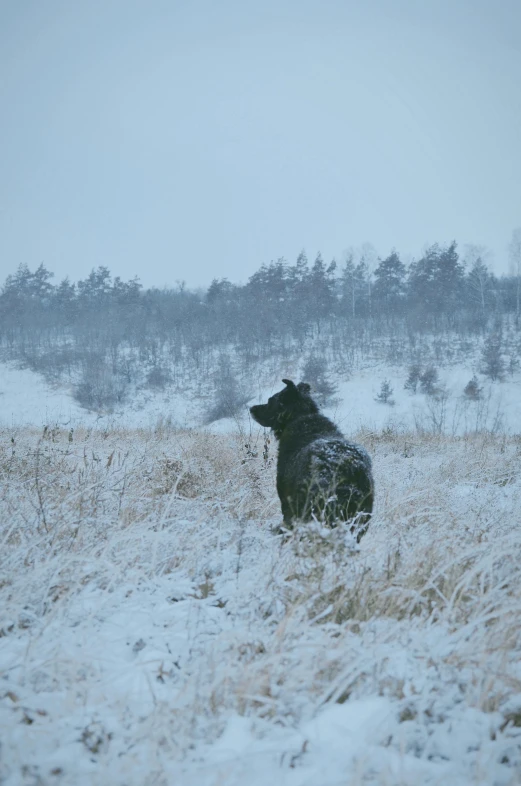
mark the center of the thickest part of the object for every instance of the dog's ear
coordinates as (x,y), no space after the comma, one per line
(304,388)
(290,384)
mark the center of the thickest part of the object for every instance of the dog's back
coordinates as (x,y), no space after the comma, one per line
(325,476)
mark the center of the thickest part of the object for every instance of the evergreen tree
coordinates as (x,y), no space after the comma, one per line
(271,283)
(389,286)
(450,274)
(40,283)
(436,281)
(301,267)
(413,378)
(65,301)
(320,289)
(493,365)
(95,289)
(472,389)
(429,381)
(385,394)
(220,291)
(299,277)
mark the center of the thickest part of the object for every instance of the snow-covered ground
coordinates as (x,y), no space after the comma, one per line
(154,632)
(451,413)
(26,399)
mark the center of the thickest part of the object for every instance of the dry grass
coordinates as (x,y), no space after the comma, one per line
(426,612)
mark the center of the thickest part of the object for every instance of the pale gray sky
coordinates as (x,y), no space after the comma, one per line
(197,138)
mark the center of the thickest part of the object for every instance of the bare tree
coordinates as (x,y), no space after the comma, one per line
(479,281)
(514,252)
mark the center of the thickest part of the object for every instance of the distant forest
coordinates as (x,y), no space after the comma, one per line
(105,334)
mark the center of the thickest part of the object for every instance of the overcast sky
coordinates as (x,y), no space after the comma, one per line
(188,139)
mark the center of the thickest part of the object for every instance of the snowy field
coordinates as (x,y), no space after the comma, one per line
(154,632)
(27,399)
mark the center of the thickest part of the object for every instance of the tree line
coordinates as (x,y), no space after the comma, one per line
(104,328)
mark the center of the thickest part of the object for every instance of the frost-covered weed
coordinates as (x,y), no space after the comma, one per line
(153,629)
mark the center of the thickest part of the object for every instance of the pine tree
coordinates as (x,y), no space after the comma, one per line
(220,291)
(65,300)
(449,279)
(413,378)
(389,286)
(95,290)
(320,289)
(428,381)
(436,281)
(493,365)
(385,394)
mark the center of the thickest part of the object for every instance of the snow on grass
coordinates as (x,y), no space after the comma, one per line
(154,631)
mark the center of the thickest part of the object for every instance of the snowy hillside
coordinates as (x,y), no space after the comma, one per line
(153,631)
(27,399)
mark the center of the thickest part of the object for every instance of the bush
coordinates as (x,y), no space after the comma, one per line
(229,395)
(413,378)
(493,365)
(472,389)
(158,377)
(315,372)
(513,365)
(428,381)
(385,394)
(99,388)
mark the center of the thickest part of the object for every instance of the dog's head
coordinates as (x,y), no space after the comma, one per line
(284,406)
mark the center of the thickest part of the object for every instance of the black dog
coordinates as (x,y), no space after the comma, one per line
(319,473)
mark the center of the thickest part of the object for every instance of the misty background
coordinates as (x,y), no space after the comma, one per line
(188,141)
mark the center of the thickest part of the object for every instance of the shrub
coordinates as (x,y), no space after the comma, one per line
(229,395)
(99,388)
(472,389)
(493,365)
(413,378)
(315,372)
(158,377)
(428,381)
(385,394)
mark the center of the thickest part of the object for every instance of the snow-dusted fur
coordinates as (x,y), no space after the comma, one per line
(319,473)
